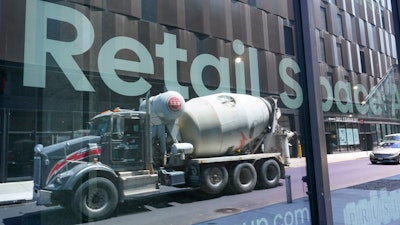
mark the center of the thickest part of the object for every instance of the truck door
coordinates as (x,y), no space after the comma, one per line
(127,152)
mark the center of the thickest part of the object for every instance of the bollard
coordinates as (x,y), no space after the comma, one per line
(288,189)
(299,150)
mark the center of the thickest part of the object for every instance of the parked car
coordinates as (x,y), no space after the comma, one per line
(388,150)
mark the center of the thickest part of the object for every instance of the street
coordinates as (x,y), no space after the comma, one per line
(188,206)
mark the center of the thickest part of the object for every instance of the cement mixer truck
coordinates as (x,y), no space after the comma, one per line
(217,143)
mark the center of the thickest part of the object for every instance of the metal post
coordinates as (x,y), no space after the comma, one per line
(149,149)
(396,23)
(4,143)
(288,189)
(314,140)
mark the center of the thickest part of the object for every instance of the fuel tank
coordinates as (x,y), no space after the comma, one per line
(220,124)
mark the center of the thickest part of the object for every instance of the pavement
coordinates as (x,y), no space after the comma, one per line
(16,192)
(19,192)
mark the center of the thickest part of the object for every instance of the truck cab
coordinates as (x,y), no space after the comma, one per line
(111,159)
(122,139)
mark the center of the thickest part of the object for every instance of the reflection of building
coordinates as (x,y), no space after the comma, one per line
(60,68)
(356,52)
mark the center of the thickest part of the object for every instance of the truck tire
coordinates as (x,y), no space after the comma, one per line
(95,199)
(243,178)
(214,179)
(268,174)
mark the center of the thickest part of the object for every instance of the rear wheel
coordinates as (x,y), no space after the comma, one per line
(214,179)
(95,199)
(243,178)
(268,174)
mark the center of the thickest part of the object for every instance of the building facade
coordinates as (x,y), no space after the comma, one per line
(357,56)
(62,62)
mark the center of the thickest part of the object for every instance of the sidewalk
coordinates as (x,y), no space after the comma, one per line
(15,192)
(18,192)
(336,157)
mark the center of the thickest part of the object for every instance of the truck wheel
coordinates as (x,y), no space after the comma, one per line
(95,199)
(214,179)
(268,174)
(243,178)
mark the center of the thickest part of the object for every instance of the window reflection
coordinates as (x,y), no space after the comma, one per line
(192,48)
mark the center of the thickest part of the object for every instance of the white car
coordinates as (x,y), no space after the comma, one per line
(388,150)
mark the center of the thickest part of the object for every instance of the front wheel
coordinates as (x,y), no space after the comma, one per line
(95,199)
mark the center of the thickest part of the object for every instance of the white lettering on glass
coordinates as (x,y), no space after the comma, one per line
(382,207)
(107,70)
(285,64)
(171,55)
(38,45)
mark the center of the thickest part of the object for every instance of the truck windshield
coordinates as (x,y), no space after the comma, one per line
(99,126)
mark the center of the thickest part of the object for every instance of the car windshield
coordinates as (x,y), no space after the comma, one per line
(391,144)
(392,138)
(99,126)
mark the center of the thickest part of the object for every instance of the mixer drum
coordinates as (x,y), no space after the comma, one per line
(220,124)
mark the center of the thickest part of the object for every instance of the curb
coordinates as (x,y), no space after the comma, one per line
(15,202)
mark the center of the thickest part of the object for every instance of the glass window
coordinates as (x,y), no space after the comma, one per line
(324,21)
(322,49)
(362,62)
(347,79)
(340,24)
(300,131)
(100,126)
(383,19)
(339,54)
(330,77)
(21,139)
(80,124)
(20,156)
(289,42)
(22,120)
